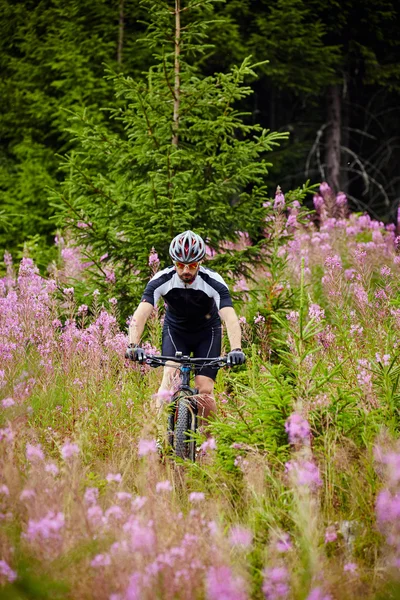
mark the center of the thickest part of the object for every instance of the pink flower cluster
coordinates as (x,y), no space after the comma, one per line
(297,428)
(388,499)
(305,473)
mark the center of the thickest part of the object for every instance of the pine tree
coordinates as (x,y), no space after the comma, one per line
(186,159)
(52,58)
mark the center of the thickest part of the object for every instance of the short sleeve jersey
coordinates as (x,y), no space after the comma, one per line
(189,305)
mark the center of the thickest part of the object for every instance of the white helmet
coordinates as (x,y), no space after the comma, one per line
(187,247)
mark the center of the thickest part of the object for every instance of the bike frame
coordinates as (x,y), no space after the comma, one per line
(175,431)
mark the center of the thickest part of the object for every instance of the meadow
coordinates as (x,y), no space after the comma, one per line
(296,493)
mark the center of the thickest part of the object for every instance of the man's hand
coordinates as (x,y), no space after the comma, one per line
(236,357)
(134,352)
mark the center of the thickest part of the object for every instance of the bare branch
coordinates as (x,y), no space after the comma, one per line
(315,148)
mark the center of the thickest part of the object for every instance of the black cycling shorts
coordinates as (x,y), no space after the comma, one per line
(203,344)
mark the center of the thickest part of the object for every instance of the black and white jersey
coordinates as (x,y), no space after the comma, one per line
(189,305)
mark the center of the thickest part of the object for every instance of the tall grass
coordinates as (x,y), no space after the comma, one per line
(297,495)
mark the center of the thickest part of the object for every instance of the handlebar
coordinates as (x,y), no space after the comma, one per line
(157,360)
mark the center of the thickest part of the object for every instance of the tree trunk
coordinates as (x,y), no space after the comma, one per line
(177,84)
(120,32)
(333,137)
(346,138)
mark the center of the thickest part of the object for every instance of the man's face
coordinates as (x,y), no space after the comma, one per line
(187,272)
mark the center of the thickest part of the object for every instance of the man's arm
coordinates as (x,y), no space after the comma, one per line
(231,321)
(138,321)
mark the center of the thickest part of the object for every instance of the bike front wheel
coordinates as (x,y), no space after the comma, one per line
(185,428)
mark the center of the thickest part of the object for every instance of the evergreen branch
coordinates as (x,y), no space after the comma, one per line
(95,189)
(149,126)
(204,2)
(79,216)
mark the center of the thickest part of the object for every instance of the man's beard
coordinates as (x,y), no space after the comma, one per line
(188,277)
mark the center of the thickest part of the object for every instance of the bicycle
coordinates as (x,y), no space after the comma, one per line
(183,410)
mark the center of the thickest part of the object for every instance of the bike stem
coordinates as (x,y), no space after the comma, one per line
(185,371)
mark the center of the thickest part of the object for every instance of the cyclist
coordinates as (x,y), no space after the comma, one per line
(196,298)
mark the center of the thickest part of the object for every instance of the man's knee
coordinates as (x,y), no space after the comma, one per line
(204,384)
(206,402)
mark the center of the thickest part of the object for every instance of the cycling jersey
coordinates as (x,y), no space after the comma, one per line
(189,305)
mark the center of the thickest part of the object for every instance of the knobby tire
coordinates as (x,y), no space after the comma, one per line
(185,427)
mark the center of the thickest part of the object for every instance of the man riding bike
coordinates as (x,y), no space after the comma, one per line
(197,299)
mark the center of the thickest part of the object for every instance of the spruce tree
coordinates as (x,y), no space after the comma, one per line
(187,159)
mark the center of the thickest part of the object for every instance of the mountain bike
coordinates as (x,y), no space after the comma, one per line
(182,408)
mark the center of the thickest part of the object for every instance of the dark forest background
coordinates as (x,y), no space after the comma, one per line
(332,81)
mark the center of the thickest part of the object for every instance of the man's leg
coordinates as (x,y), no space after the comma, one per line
(167,384)
(208,346)
(206,401)
(171,342)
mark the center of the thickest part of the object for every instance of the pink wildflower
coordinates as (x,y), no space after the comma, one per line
(240,536)
(7,402)
(318,594)
(6,433)
(163,396)
(7,572)
(242,320)
(284,544)
(209,444)
(291,221)
(27,495)
(318,202)
(91,495)
(142,536)
(134,590)
(46,528)
(350,567)
(110,275)
(333,262)
(34,452)
(114,512)
(259,318)
(293,316)
(69,450)
(123,496)
(316,312)
(51,468)
(275,584)
(101,560)
(153,258)
(297,428)
(95,515)
(196,497)
(241,285)
(324,188)
(4,490)
(146,447)
(117,477)
(164,486)
(221,584)
(279,201)
(330,534)
(341,199)
(306,473)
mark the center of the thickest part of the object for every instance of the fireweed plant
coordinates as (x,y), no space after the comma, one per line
(296,491)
